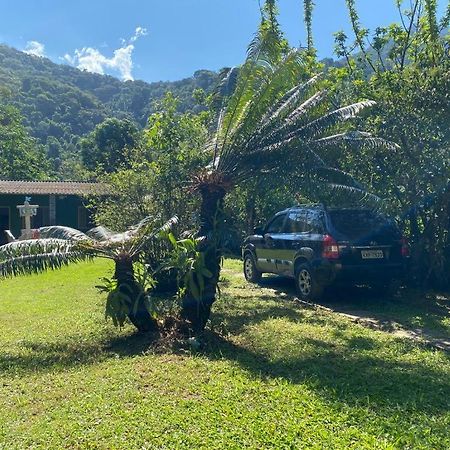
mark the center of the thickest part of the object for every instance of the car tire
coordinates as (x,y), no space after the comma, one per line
(251,273)
(308,288)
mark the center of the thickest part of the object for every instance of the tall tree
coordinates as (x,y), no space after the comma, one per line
(308,7)
(105,149)
(272,121)
(21,158)
(409,77)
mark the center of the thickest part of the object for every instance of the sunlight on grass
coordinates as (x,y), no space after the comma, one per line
(272,375)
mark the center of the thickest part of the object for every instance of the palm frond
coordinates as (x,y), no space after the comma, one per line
(61,232)
(361,138)
(286,100)
(251,75)
(168,226)
(100,233)
(331,119)
(337,176)
(144,224)
(224,89)
(293,120)
(299,154)
(355,194)
(143,239)
(251,124)
(263,56)
(38,255)
(268,93)
(274,120)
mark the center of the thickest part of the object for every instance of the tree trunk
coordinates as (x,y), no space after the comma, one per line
(127,284)
(198,311)
(250,214)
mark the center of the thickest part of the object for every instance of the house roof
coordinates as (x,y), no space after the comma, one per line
(52,187)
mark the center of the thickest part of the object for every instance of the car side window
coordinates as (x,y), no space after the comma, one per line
(315,221)
(297,222)
(276,226)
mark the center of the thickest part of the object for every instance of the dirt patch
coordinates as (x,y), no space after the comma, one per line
(382,324)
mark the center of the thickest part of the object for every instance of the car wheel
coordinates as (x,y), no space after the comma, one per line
(307,285)
(251,273)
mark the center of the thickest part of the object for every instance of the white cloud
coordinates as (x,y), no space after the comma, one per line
(92,60)
(35,48)
(140,31)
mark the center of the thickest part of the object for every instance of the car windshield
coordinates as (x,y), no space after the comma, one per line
(357,224)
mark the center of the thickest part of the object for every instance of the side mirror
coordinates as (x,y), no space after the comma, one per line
(259,231)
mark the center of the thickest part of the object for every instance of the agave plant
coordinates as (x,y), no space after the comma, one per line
(271,121)
(59,246)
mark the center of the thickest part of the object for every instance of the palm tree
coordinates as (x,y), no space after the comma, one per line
(59,246)
(271,122)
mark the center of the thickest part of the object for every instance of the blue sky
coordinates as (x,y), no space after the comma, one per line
(165,40)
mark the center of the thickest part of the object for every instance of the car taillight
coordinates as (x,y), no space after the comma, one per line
(330,248)
(405,247)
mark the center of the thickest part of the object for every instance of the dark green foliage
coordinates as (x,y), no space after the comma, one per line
(410,80)
(189,264)
(20,155)
(105,149)
(156,181)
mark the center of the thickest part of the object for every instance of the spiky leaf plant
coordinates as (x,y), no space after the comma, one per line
(59,246)
(274,120)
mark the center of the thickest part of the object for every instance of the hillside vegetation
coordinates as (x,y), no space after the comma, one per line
(60,103)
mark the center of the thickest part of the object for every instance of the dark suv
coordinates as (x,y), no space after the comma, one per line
(318,246)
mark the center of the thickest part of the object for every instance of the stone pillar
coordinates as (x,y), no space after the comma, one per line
(27,211)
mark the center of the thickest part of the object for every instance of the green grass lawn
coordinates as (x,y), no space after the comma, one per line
(272,375)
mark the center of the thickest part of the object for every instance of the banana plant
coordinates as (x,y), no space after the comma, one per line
(189,262)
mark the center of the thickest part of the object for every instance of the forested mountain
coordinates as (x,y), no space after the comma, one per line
(60,103)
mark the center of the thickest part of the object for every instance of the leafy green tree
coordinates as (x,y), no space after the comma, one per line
(106,148)
(410,81)
(157,178)
(21,158)
(174,146)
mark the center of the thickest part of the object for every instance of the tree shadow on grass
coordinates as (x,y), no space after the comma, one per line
(352,375)
(410,309)
(36,357)
(354,369)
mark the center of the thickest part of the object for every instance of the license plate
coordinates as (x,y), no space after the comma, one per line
(372,254)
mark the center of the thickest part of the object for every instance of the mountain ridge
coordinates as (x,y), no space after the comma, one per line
(61,103)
